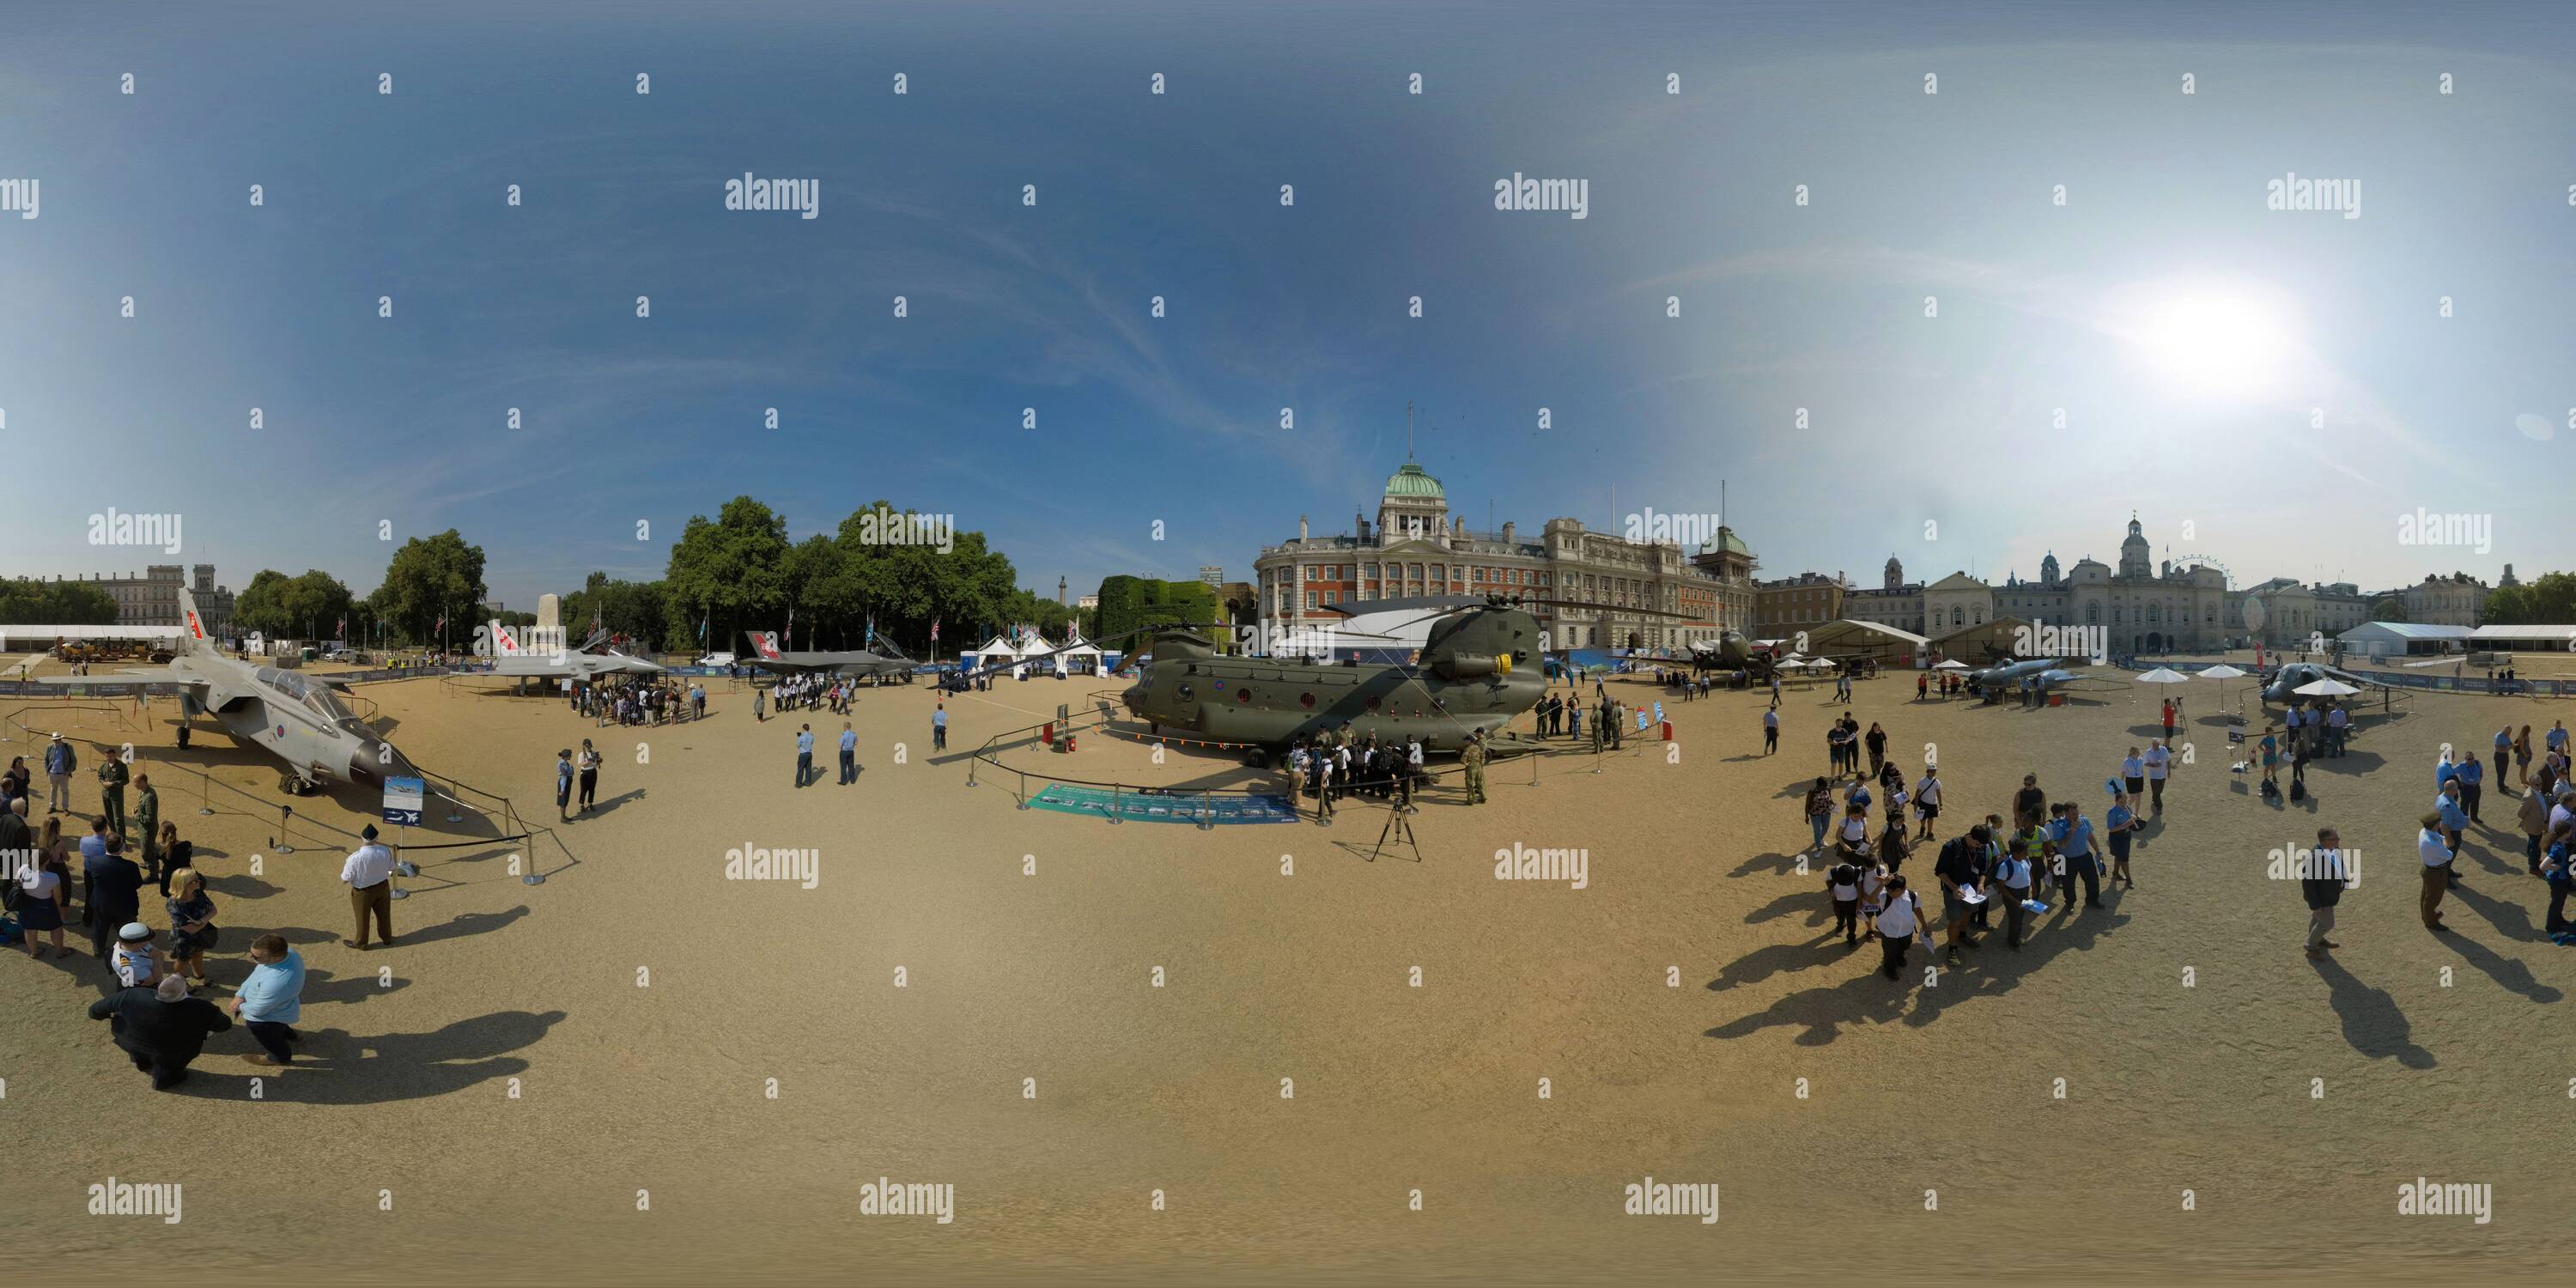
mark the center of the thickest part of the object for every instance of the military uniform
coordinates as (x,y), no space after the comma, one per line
(147,820)
(1473,756)
(112,778)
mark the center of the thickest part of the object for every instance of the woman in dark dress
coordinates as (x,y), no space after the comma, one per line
(192,923)
(43,894)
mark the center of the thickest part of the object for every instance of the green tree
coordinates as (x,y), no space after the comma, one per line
(26,601)
(729,571)
(2391,609)
(432,578)
(1132,604)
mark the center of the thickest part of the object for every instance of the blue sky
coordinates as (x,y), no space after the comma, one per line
(2123,306)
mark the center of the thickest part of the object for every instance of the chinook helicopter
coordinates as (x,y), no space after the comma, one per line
(1476,673)
(1478,669)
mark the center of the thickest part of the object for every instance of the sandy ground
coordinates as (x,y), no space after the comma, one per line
(574,1080)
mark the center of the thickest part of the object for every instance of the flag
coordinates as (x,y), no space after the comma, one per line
(934,630)
(343,632)
(441,628)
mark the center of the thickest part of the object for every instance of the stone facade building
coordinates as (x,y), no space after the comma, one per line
(1417,547)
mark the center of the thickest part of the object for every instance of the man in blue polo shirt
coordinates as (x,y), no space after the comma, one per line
(2073,834)
(804,754)
(2471,779)
(849,754)
(2454,819)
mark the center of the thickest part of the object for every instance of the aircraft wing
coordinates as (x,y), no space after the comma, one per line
(794,662)
(129,675)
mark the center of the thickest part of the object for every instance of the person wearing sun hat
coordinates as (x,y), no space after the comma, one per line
(59,764)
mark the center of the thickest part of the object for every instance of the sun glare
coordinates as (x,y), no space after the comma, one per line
(2207,342)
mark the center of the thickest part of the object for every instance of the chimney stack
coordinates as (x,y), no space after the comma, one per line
(1301,527)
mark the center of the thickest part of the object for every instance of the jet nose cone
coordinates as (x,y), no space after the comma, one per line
(391,763)
(1134,700)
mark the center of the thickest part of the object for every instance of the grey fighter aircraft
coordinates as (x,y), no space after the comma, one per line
(518,651)
(766,655)
(2046,672)
(295,717)
(2284,688)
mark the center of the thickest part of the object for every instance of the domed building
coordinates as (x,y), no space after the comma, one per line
(1417,548)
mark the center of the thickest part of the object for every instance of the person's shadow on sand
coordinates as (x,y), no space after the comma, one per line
(2372,1024)
(1823,1011)
(334,1067)
(1782,863)
(472,923)
(2513,975)
(1995,969)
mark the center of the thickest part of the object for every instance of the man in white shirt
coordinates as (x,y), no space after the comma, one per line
(369,874)
(2434,850)
(2158,760)
(1927,798)
(1898,923)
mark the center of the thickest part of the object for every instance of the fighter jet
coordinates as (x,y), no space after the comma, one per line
(2044,672)
(766,655)
(517,653)
(2284,686)
(295,717)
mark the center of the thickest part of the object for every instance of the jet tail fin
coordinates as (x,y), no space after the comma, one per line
(192,627)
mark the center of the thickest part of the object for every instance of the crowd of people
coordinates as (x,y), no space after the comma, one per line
(156,1016)
(2011,865)
(815,691)
(636,700)
(1331,765)
(1607,719)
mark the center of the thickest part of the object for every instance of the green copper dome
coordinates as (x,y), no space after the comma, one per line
(1411,481)
(1727,542)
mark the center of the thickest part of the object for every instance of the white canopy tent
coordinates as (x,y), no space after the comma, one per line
(1075,656)
(996,651)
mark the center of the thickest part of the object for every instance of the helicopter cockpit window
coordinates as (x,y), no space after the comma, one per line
(1185,693)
